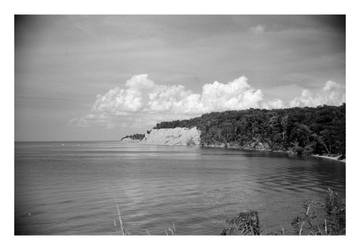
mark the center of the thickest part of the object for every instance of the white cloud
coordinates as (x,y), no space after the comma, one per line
(237,94)
(329,85)
(274,104)
(331,94)
(140,96)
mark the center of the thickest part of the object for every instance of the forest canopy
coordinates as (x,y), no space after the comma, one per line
(308,130)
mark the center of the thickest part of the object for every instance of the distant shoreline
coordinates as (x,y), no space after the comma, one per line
(326,157)
(237,148)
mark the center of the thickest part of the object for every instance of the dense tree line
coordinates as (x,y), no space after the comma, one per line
(319,130)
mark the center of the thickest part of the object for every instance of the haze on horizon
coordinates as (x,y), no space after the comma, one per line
(102,77)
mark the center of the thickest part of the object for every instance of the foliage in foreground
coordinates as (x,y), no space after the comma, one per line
(317,219)
(327,218)
(311,223)
(246,223)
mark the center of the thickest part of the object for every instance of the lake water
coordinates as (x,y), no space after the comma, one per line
(73,187)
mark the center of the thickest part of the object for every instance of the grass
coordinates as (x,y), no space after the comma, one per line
(317,218)
(246,223)
(118,218)
(322,218)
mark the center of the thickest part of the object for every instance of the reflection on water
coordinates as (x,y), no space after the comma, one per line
(73,188)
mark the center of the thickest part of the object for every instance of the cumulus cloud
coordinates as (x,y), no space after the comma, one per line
(273,104)
(140,95)
(331,94)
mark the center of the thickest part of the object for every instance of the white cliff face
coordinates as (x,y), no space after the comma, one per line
(173,136)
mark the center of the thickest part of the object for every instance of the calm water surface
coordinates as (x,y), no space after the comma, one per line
(73,187)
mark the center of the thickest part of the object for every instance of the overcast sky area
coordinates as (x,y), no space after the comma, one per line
(103,77)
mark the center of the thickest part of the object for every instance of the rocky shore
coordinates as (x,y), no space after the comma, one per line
(339,158)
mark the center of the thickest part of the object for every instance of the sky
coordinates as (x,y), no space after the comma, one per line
(103,77)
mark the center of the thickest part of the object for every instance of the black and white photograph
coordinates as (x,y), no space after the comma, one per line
(180,124)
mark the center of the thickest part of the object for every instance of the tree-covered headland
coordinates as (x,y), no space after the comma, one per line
(318,130)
